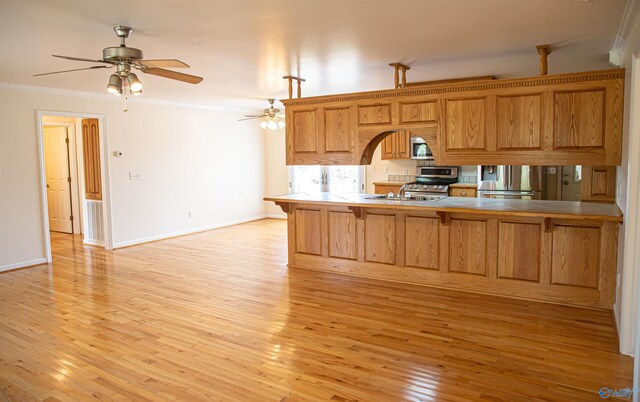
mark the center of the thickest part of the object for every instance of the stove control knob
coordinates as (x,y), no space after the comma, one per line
(415,186)
(439,187)
(425,187)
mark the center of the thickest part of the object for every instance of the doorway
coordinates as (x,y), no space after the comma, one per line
(73,168)
(58,172)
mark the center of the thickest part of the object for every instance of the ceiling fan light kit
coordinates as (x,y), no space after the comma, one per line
(272,118)
(127,58)
(115,85)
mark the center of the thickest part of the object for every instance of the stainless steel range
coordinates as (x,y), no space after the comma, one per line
(432,180)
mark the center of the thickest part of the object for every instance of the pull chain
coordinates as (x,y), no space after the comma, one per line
(125,104)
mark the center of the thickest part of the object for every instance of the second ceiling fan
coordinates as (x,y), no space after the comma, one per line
(125,60)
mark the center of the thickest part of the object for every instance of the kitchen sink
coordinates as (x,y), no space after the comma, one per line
(412,197)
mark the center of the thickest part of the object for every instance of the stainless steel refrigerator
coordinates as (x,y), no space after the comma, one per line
(510,182)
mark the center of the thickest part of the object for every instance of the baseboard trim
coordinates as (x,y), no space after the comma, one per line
(23,264)
(93,242)
(186,232)
(277,216)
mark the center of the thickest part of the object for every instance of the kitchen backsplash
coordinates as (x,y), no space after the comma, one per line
(467,174)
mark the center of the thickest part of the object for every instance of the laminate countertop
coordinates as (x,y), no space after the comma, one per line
(389,183)
(463,185)
(530,208)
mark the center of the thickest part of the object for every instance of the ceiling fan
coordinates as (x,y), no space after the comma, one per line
(271,118)
(125,59)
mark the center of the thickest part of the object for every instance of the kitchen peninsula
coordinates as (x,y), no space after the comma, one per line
(556,251)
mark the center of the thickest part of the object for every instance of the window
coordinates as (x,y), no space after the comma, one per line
(330,179)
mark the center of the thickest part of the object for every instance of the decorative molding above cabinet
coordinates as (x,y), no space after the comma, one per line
(546,120)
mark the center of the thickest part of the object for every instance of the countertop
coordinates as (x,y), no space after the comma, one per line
(535,208)
(389,183)
(463,185)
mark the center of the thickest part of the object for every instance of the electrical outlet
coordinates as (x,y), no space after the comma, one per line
(406,172)
(386,169)
(189,214)
(135,176)
(551,170)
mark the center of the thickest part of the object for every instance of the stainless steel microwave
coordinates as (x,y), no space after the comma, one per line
(420,149)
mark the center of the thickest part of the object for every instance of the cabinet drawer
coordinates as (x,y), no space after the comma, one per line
(384,189)
(463,192)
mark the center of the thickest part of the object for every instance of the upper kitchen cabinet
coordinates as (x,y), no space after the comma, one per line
(321,136)
(568,119)
(397,146)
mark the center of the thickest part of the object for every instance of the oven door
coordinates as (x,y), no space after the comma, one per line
(420,149)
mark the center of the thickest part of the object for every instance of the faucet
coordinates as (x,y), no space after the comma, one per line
(402,190)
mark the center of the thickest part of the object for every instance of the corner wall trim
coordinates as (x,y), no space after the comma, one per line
(186,232)
(628,18)
(23,264)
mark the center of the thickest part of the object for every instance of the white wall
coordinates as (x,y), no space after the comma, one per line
(277,176)
(191,159)
(379,170)
(625,310)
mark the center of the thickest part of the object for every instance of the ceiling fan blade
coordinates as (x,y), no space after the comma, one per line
(251,118)
(174,75)
(80,59)
(163,63)
(68,71)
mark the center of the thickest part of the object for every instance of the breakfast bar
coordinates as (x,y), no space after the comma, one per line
(554,251)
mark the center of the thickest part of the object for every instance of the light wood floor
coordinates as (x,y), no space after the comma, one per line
(218,316)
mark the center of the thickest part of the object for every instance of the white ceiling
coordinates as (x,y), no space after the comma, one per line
(243,48)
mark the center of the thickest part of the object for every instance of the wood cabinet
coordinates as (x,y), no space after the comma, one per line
(91,159)
(463,192)
(598,184)
(384,188)
(397,146)
(567,261)
(567,119)
(321,135)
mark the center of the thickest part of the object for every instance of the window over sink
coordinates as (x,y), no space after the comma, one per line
(330,179)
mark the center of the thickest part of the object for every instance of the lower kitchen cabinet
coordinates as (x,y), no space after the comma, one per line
(566,261)
(463,192)
(386,188)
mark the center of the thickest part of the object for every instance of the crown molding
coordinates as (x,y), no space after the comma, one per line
(628,18)
(109,97)
(617,73)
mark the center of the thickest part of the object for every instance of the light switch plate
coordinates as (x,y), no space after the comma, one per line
(135,176)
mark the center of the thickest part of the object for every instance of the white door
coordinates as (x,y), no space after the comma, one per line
(571,183)
(56,159)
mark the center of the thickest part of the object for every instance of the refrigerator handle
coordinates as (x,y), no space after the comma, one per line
(509,173)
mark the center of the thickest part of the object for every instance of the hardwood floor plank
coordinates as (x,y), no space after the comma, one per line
(218,316)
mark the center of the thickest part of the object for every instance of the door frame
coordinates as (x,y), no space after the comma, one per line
(104,167)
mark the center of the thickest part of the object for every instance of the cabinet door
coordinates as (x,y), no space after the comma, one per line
(465,124)
(305,131)
(397,146)
(91,159)
(337,130)
(519,122)
(598,183)
(403,144)
(388,150)
(579,119)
